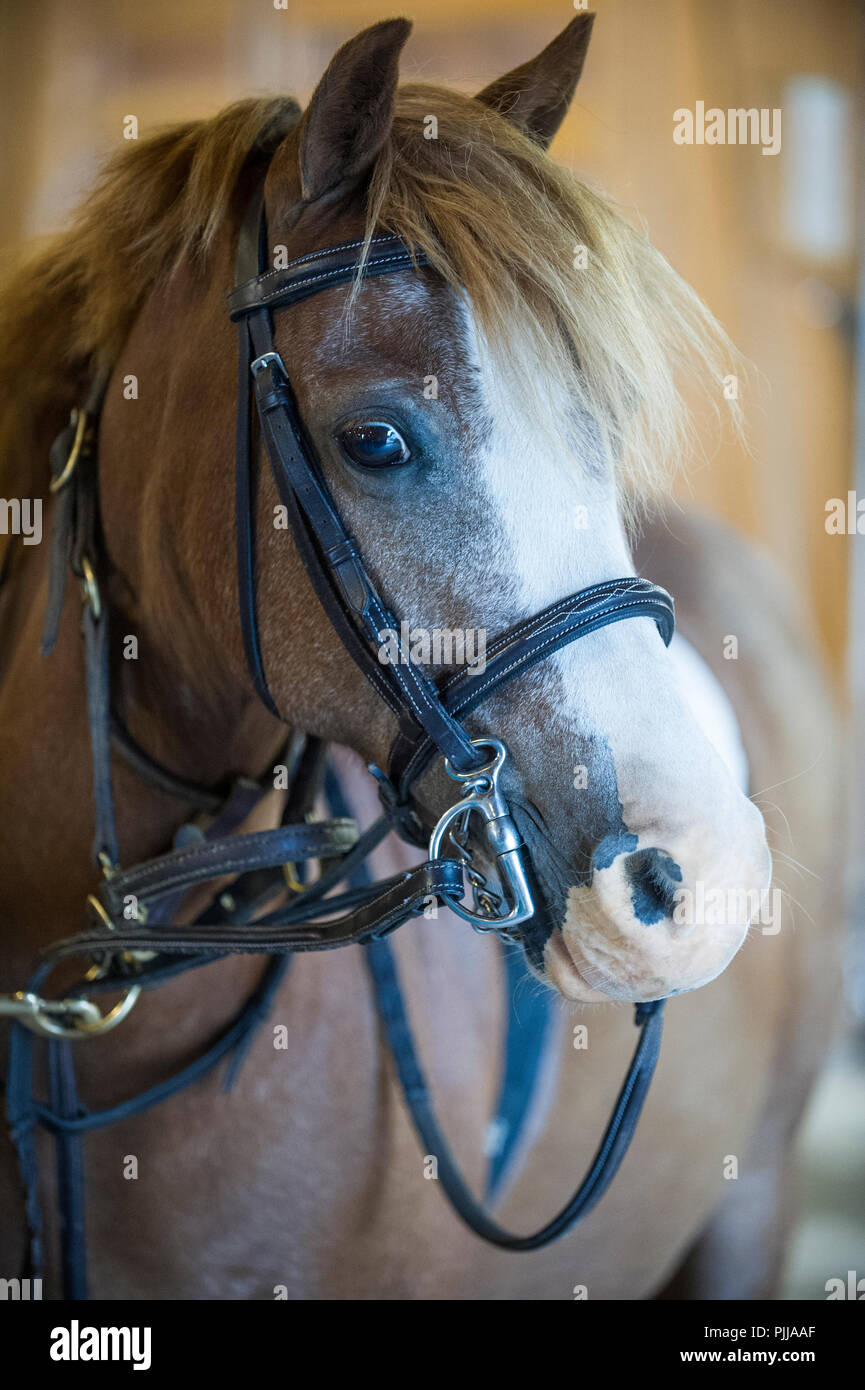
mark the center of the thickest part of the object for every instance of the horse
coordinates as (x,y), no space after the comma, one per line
(490,422)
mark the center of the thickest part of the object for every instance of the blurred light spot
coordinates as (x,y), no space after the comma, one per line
(817,155)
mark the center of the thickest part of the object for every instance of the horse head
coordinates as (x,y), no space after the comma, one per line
(482,422)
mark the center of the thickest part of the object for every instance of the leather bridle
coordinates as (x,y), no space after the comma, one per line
(141,948)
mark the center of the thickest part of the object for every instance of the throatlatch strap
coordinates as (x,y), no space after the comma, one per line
(99,713)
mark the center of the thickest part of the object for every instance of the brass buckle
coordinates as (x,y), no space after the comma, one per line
(91,588)
(105,1022)
(79,419)
(75,1017)
(292,882)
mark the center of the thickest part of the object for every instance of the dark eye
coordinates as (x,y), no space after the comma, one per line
(374,444)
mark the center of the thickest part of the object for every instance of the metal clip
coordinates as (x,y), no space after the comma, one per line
(50,1017)
(490,911)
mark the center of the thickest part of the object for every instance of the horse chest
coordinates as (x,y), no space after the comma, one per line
(306,1180)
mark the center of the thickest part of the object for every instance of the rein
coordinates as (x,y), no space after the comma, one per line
(131,942)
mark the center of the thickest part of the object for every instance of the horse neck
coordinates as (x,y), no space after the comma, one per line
(166,484)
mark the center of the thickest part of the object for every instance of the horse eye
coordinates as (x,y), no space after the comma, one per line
(374,444)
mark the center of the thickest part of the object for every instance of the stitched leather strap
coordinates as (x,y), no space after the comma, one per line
(98,713)
(320,270)
(180,869)
(517,650)
(408,684)
(381,910)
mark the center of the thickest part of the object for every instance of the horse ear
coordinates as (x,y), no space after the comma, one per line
(351,111)
(535,97)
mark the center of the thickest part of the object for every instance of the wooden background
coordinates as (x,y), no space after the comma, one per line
(71,72)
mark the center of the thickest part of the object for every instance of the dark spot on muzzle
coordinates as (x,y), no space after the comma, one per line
(653,877)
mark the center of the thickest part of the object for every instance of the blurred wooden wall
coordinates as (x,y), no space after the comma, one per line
(70,73)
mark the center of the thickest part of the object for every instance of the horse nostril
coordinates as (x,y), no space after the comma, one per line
(653,877)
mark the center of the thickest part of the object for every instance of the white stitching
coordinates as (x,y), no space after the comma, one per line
(314,255)
(336,273)
(305,836)
(498,676)
(433,703)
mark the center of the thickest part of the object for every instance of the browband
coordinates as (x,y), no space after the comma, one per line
(320,270)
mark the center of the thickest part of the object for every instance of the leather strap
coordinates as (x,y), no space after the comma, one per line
(149,769)
(245,511)
(521,647)
(75,508)
(105,846)
(384,908)
(319,270)
(70,1168)
(407,681)
(180,869)
(604,1165)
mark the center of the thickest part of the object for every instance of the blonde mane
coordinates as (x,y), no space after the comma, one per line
(500,220)
(509,227)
